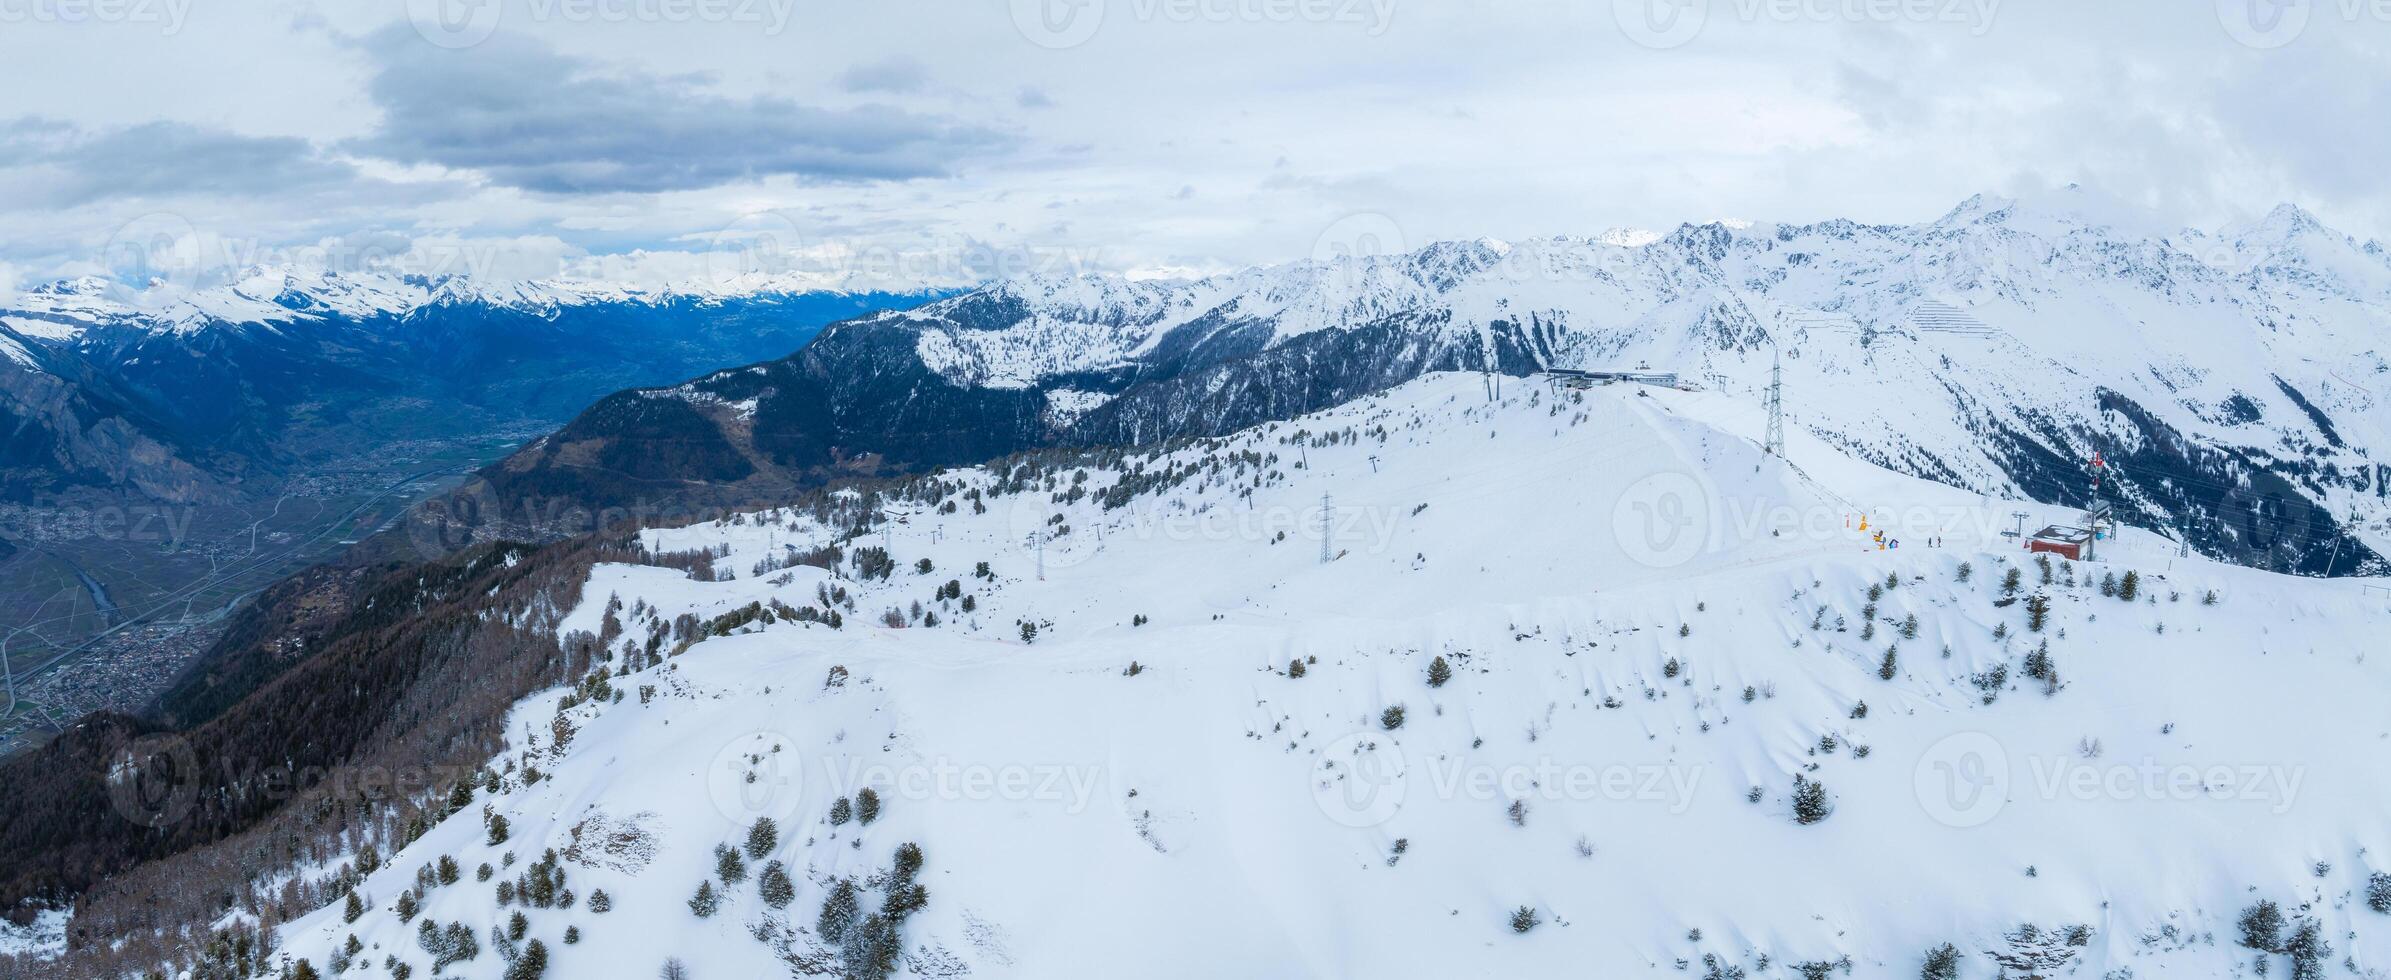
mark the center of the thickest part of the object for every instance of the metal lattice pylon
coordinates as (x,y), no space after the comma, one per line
(1775,443)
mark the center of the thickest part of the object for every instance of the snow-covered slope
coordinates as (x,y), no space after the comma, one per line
(2231,383)
(1140,719)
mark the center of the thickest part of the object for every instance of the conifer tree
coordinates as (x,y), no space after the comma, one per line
(1810,804)
(839,910)
(2262,927)
(728,865)
(867,805)
(705,902)
(1942,963)
(774,886)
(762,837)
(2308,950)
(1439,672)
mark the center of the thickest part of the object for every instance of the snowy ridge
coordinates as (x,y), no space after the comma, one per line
(273,297)
(2047,320)
(1650,636)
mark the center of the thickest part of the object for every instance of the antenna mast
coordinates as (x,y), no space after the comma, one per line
(1775,444)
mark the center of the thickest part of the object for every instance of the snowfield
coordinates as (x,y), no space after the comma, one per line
(1541,711)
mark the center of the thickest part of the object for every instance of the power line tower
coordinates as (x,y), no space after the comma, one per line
(1327,524)
(1775,445)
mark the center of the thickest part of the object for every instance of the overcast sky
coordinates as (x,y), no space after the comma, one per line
(951,140)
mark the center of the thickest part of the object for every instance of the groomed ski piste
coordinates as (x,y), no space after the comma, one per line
(1221,755)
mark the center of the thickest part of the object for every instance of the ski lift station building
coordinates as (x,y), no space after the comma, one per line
(2072,543)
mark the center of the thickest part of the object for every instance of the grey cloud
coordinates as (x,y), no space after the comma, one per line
(899,74)
(71,166)
(529,117)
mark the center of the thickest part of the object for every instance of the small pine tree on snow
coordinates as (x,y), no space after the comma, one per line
(2378,892)
(2262,927)
(2038,612)
(532,964)
(2108,584)
(839,911)
(497,829)
(484,872)
(462,945)
(1295,667)
(448,872)
(600,902)
(903,901)
(353,908)
(2308,950)
(1810,804)
(1966,571)
(774,886)
(728,865)
(1888,668)
(572,935)
(841,811)
(1029,632)
(2208,598)
(406,906)
(867,805)
(1909,627)
(2011,582)
(304,971)
(1391,718)
(705,902)
(2130,587)
(1524,918)
(1942,963)
(762,837)
(2000,631)
(1439,672)
(673,969)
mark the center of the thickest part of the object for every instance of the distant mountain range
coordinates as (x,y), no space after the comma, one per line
(221,394)
(2233,383)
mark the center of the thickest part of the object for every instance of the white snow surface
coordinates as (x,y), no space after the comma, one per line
(1606,577)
